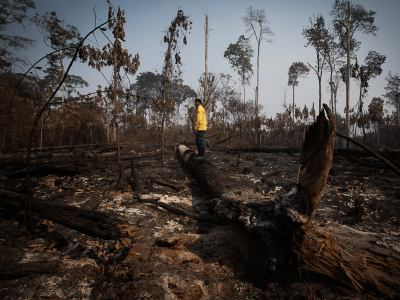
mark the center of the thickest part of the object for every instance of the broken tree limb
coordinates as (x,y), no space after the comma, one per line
(163,183)
(204,217)
(385,161)
(361,162)
(221,141)
(95,224)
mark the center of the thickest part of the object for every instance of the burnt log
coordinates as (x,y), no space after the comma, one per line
(92,223)
(264,150)
(372,152)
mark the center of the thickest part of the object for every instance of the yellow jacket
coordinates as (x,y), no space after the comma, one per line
(200,122)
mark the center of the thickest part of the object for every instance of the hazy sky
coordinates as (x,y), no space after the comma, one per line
(148,18)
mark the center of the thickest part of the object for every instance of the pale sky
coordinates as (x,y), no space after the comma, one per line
(147,19)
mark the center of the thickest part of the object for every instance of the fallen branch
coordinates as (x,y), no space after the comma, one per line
(199,217)
(222,141)
(386,162)
(362,162)
(163,183)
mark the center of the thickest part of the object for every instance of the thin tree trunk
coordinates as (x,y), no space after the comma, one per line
(165,97)
(258,85)
(398,115)
(115,103)
(205,61)
(293,103)
(244,98)
(62,86)
(348,77)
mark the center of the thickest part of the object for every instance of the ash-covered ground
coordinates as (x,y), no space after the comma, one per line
(170,256)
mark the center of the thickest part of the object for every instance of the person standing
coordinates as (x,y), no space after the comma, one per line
(200,127)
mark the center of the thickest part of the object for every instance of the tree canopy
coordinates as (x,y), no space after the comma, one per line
(239,55)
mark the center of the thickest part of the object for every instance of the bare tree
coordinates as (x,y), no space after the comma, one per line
(255,20)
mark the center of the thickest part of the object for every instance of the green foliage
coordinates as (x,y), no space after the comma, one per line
(361,20)
(371,69)
(392,88)
(393,92)
(297,70)
(317,35)
(148,85)
(239,55)
(375,110)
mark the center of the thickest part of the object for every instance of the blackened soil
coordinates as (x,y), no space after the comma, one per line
(170,256)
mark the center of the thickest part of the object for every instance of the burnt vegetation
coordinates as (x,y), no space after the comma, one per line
(101,196)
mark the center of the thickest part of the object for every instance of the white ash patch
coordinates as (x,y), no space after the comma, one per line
(175,199)
(127,211)
(170,227)
(33,256)
(74,263)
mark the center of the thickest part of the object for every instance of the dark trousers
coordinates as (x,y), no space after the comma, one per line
(201,141)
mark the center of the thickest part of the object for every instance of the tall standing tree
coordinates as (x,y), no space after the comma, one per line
(206,30)
(113,55)
(11,13)
(296,70)
(318,37)
(255,20)
(57,36)
(172,63)
(393,92)
(332,59)
(239,55)
(349,18)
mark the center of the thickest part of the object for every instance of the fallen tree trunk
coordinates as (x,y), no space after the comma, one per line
(282,228)
(68,160)
(362,162)
(363,153)
(264,150)
(95,224)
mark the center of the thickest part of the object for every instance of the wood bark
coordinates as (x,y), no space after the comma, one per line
(316,157)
